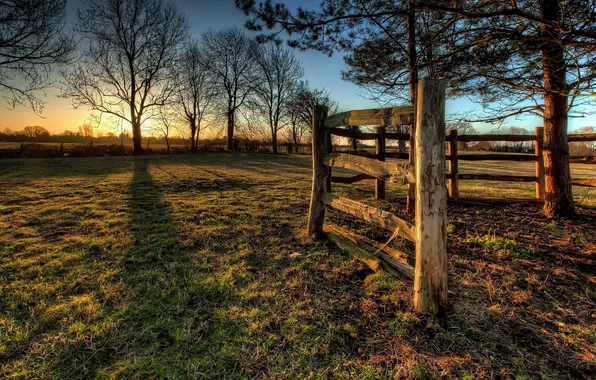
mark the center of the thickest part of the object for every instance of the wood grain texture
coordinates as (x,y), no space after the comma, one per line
(497,177)
(430,283)
(388,171)
(453,165)
(539,167)
(581,137)
(376,259)
(585,182)
(378,116)
(371,214)
(320,173)
(380,152)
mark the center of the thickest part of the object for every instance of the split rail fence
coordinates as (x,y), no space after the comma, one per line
(454,156)
(428,175)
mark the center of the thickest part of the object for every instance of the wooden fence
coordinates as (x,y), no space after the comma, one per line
(454,156)
(428,175)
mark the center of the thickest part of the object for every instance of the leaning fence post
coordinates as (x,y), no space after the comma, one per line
(430,282)
(320,172)
(453,165)
(539,162)
(380,150)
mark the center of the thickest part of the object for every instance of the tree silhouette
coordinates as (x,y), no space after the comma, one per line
(31,42)
(126,68)
(230,58)
(280,72)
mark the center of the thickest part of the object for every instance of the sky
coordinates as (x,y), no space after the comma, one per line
(322,72)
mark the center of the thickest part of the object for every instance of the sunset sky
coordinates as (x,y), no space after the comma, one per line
(321,71)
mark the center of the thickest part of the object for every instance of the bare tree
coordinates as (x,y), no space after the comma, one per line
(86,130)
(229,57)
(126,69)
(165,125)
(196,94)
(280,72)
(35,131)
(31,41)
(301,107)
(584,148)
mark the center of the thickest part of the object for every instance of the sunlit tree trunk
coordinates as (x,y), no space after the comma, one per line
(558,194)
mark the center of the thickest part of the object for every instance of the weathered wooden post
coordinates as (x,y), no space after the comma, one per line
(320,172)
(539,162)
(381,148)
(453,165)
(410,202)
(430,281)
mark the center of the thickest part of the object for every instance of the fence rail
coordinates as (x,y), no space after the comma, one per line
(427,175)
(453,157)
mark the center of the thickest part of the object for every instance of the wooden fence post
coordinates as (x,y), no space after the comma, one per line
(381,148)
(410,202)
(430,282)
(320,173)
(329,149)
(453,165)
(539,162)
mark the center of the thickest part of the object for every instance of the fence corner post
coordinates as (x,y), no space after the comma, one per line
(430,279)
(453,164)
(320,172)
(538,151)
(380,150)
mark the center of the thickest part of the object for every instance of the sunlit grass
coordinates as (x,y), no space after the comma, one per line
(197,266)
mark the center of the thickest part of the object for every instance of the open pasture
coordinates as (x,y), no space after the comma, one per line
(197,266)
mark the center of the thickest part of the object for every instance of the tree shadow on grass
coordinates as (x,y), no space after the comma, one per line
(168,315)
(170,306)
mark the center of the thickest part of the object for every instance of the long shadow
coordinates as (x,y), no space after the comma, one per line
(165,305)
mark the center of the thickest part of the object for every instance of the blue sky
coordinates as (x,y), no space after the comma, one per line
(322,72)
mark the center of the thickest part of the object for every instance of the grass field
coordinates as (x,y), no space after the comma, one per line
(197,266)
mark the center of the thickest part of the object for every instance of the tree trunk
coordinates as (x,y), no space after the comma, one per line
(274,140)
(193,131)
(230,130)
(136,138)
(559,196)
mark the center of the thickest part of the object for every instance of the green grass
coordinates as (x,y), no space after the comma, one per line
(197,266)
(498,245)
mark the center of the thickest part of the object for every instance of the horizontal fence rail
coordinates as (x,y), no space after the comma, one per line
(427,175)
(378,116)
(453,157)
(386,171)
(383,219)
